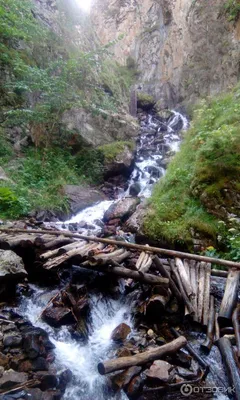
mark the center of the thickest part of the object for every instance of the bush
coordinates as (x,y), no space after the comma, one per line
(232,8)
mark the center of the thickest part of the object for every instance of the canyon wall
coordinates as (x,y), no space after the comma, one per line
(183,49)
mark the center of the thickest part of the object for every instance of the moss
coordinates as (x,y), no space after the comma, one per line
(202,182)
(145,101)
(112,150)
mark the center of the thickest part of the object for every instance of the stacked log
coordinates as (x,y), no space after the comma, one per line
(144,262)
(229,300)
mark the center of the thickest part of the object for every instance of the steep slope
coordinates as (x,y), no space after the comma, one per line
(184,49)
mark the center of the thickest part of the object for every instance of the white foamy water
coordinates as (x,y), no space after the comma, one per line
(82,359)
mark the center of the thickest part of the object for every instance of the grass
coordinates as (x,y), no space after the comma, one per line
(110,151)
(203,179)
(38,176)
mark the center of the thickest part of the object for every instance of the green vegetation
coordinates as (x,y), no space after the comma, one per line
(111,150)
(45,72)
(232,8)
(202,185)
(145,101)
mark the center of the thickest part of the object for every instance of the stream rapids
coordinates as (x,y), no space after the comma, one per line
(156,141)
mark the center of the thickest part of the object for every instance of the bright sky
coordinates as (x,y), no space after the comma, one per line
(85,4)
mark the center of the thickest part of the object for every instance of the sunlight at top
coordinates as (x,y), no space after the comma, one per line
(85,4)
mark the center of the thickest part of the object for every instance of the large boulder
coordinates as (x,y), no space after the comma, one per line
(96,130)
(58,316)
(134,224)
(80,197)
(11,266)
(118,158)
(122,209)
(11,378)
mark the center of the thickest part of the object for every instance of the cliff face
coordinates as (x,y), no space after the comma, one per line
(183,49)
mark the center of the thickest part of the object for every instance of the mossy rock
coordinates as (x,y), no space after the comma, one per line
(145,101)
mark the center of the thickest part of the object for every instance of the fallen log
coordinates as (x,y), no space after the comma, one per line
(173,253)
(184,276)
(226,351)
(207,344)
(193,270)
(62,250)
(117,364)
(206,296)
(167,275)
(235,321)
(128,273)
(185,298)
(217,329)
(219,273)
(201,282)
(229,300)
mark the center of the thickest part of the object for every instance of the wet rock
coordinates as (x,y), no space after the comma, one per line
(187,374)
(159,370)
(48,380)
(4,360)
(38,364)
(124,352)
(33,345)
(181,359)
(12,340)
(134,223)
(135,189)
(134,387)
(121,332)
(11,266)
(80,197)
(121,209)
(121,380)
(11,378)
(58,316)
(145,101)
(64,379)
(121,164)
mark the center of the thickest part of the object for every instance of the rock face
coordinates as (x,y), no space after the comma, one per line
(11,266)
(183,49)
(97,130)
(80,197)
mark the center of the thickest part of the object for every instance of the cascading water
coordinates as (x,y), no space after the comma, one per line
(157,139)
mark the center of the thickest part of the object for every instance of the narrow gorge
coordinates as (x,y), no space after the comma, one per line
(119,199)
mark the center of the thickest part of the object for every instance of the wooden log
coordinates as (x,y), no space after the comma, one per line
(60,241)
(128,273)
(140,259)
(206,295)
(194,279)
(231,367)
(201,283)
(229,300)
(167,275)
(117,364)
(185,298)
(184,276)
(62,250)
(217,329)
(235,320)
(219,273)
(147,265)
(207,344)
(173,253)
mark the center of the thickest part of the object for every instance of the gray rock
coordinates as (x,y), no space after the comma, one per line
(135,222)
(97,130)
(122,164)
(135,189)
(121,209)
(12,340)
(11,266)
(80,197)
(11,378)
(159,370)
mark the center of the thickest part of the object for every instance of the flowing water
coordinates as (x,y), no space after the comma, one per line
(156,140)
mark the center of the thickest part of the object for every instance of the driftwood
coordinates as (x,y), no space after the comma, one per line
(201,287)
(144,262)
(173,253)
(185,298)
(235,321)
(158,264)
(128,273)
(229,300)
(217,329)
(206,296)
(143,358)
(231,367)
(219,273)
(193,270)
(184,277)
(207,344)
(62,250)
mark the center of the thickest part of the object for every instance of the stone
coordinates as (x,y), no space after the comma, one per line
(134,387)
(64,379)
(145,101)
(135,189)
(4,360)
(81,197)
(122,209)
(97,130)
(11,267)
(151,334)
(121,380)
(48,380)
(159,370)
(11,378)
(58,316)
(121,332)
(12,340)
(135,221)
